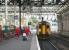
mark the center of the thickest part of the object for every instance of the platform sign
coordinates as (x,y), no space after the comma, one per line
(16,17)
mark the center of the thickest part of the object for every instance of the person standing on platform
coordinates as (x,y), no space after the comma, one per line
(1,34)
(17,32)
(27,31)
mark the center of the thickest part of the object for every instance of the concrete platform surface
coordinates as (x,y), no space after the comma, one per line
(35,43)
(14,44)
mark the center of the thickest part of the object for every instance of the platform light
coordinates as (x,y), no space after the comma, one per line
(49,1)
(62,1)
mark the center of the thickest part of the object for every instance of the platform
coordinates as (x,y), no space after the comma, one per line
(35,43)
(14,44)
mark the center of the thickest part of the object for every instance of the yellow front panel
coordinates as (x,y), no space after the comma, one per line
(43,29)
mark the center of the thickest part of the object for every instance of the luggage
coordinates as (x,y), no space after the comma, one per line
(24,36)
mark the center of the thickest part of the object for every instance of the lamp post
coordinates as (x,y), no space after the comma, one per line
(20,15)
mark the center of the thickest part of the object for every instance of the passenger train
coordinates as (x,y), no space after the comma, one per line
(43,29)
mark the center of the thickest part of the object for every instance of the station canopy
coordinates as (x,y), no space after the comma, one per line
(37,6)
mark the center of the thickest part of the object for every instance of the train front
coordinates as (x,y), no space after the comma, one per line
(43,30)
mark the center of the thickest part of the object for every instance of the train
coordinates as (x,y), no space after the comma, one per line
(43,29)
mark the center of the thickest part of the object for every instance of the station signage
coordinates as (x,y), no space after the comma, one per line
(16,17)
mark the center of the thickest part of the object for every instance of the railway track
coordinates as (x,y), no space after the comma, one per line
(59,43)
(54,43)
(47,45)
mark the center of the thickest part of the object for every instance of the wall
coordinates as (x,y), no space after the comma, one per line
(63,23)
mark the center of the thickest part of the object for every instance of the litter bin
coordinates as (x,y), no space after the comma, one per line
(6,32)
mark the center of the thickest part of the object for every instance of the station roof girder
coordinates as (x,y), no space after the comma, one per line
(56,4)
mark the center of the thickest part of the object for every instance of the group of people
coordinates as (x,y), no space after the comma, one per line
(25,33)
